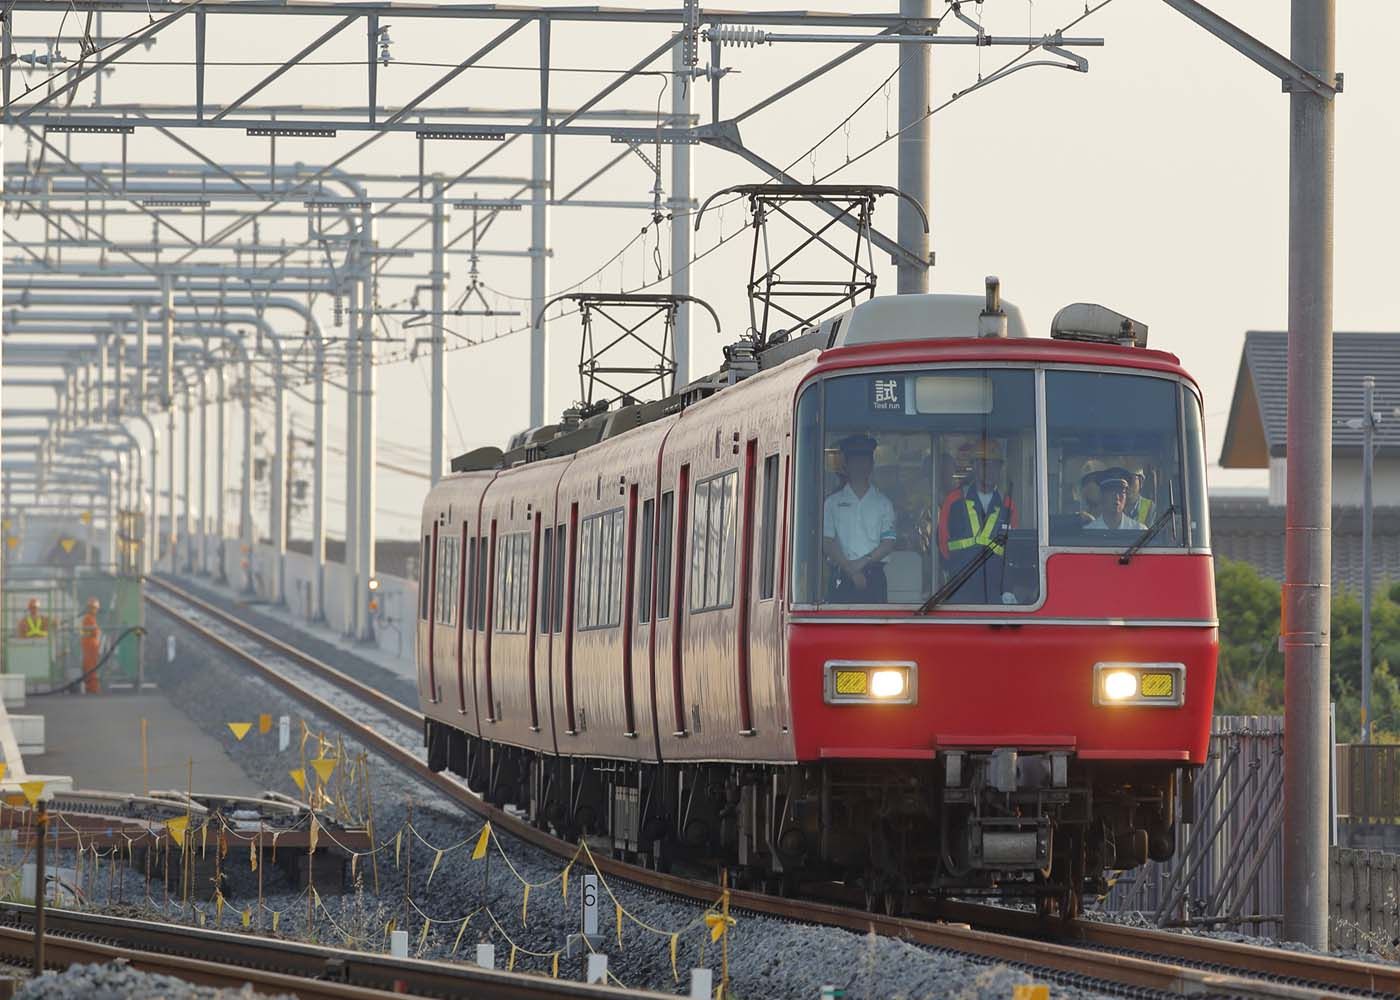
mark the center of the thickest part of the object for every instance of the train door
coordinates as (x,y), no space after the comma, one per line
(432,615)
(745,597)
(570,603)
(491,714)
(537,560)
(678,604)
(629,604)
(466,618)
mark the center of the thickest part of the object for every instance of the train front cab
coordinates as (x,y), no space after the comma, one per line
(1021,726)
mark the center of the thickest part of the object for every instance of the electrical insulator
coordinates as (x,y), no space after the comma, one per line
(740,36)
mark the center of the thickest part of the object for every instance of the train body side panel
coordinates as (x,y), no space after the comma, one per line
(450,511)
(595,682)
(512,663)
(711,442)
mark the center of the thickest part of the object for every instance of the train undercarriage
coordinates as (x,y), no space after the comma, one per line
(1003,823)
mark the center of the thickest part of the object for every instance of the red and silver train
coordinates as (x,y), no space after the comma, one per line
(632,625)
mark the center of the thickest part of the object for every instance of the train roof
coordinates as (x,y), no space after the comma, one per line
(892,329)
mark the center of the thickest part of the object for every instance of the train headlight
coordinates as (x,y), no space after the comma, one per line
(1162,685)
(1119,685)
(885,684)
(863,682)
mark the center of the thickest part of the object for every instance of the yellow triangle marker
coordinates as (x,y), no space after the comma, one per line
(68,543)
(240,729)
(264,723)
(85,517)
(299,776)
(324,766)
(176,828)
(12,541)
(482,842)
(32,790)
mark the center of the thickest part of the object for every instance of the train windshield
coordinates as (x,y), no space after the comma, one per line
(919,487)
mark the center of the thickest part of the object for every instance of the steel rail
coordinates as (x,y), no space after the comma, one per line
(272,965)
(1139,957)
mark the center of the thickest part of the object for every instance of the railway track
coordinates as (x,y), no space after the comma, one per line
(271,965)
(1085,951)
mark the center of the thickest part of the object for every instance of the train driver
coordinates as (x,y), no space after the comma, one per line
(975,516)
(1113,502)
(858,529)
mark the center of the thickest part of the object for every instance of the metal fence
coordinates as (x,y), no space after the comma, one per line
(1227,871)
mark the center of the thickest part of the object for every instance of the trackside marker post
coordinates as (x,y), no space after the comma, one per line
(589,939)
(701,984)
(486,956)
(597,968)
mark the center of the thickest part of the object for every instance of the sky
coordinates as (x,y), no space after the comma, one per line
(1156,183)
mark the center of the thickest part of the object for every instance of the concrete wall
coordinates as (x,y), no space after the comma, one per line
(1346,481)
(397,598)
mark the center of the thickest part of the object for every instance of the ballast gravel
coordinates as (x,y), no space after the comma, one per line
(115,981)
(767,957)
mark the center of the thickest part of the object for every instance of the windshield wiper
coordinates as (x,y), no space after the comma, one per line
(1148,534)
(954,583)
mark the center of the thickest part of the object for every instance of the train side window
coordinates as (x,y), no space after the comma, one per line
(546,574)
(445,612)
(557,618)
(712,543)
(424,576)
(769,551)
(647,540)
(469,611)
(663,559)
(601,551)
(583,578)
(512,581)
(483,562)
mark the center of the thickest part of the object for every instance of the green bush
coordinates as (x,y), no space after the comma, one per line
(1250,679)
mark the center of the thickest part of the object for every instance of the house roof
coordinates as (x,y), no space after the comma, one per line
(1257,428)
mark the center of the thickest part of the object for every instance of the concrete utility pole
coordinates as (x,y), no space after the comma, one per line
(221,572)
(682,85)
(539,272)
(1368,446)
(436,279)
(915,154)
(185,519)
(203,562)
(368,421)
(1307,596)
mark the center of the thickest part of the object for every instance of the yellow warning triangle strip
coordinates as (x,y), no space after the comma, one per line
(176,828)
(482,842)
(323,767)
(299,776)
(239,729)
(32,790)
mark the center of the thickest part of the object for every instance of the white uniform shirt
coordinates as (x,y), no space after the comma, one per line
(1127,524)
(859,524)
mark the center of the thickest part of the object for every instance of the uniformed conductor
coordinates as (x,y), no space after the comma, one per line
(858,528)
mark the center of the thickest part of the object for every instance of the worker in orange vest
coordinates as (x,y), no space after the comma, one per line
(90,638)
(34,625)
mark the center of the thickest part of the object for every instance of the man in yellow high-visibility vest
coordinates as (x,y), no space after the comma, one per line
(974,517)
(33,625)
